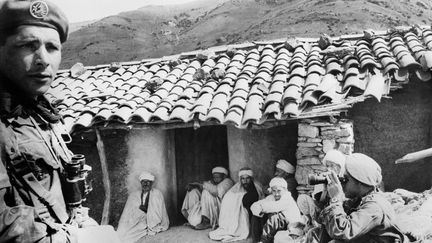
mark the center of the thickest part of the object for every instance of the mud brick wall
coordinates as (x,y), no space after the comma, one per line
(315,138)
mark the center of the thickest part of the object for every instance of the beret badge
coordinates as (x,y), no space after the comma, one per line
(39,9)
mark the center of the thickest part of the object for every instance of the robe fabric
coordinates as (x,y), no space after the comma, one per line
(135,224)
(234,217)
(286,205)
(207,203)
(288,220)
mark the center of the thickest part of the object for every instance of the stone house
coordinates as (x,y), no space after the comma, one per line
(249,105)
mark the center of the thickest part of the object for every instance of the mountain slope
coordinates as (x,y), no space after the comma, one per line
(155,31)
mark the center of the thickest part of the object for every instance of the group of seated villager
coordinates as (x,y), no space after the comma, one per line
(346,205)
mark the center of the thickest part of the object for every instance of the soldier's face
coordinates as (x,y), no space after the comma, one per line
(30,59)
(350,186)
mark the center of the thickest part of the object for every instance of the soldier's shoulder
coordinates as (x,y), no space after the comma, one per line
(375,197)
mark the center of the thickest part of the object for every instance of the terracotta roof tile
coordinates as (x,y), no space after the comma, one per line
(245,84)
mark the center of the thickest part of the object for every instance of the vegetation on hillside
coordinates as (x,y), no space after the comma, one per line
(156,31)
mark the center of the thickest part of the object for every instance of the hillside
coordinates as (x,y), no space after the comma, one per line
(156,31)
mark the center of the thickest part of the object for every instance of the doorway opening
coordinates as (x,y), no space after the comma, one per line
(197,152)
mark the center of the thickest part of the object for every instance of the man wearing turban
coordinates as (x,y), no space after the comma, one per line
(311,206)
(235,212)
(202,201)
(286,170)
(369,217)
(278,212)
(144,213)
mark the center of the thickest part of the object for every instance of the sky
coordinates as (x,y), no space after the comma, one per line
(83,10)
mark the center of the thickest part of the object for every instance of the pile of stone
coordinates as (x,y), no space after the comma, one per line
(414,213)
(315,138)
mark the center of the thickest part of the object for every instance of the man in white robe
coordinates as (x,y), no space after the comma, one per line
(235,214)
(144,213)
(277,212)
(202,201)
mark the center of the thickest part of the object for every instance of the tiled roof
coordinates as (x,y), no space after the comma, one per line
(245,84)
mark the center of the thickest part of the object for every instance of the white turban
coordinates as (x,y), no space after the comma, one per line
(220,169)
(146,176)
(335,156)
(285,166)
(279,182)
(364,169)
(247,172)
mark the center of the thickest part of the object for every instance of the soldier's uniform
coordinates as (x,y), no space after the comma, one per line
(371,220)
(365,218)
(29,144)
(32,150)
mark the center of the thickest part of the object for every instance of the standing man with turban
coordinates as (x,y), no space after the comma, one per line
(369,217)
(33,154)
(235,213)
(286,170)
(278,212)
(144,213)
(202,201)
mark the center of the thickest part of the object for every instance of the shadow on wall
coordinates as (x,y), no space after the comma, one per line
(388,130)
(116,151)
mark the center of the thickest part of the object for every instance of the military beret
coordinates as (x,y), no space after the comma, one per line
(364,169)
(14,13)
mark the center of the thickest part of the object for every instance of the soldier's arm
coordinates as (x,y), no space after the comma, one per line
(341,226)
(18,223)
(22,223)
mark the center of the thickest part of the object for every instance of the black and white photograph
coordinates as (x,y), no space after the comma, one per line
(206,121)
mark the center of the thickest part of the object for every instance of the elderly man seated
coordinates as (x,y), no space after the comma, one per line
(367,216)
(277,211)
(202,201)
(286,170)
(144,213)
(235,211)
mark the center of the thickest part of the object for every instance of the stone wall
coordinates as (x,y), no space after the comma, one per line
(315,138)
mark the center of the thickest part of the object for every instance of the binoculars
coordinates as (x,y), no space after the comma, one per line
(314,179)
(76,185)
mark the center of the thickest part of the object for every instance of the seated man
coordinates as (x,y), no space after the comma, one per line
(286,170)
(277,211)
(144,213)
(235,208)
(369,217)
(202,201)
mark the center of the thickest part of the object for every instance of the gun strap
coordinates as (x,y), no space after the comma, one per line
(20,171)
(47,143)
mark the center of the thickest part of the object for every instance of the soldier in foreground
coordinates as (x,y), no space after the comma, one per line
(40,179)
(367,216)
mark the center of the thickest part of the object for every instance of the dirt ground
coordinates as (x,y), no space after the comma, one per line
(184,234)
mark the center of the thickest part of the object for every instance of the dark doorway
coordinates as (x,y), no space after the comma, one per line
(196,153)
